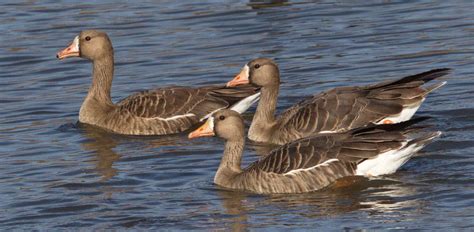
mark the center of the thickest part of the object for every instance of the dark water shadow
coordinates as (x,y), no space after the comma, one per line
(258,4)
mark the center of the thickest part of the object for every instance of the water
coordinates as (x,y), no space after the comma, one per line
(55,174)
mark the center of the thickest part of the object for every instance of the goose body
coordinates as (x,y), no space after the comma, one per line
(336,110)
(312,163)
(152,112)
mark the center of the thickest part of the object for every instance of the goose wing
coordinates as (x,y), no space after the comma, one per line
(337,153)
(176,102)
(345,108)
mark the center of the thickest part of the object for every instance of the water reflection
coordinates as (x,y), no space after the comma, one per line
(236,204)
(395,199)
(102,144)
(377,197)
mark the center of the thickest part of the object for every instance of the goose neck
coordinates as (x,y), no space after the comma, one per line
(231,160)
(102,75)
(264,119)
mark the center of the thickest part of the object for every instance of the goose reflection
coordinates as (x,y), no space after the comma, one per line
(236,205)
(396,198)
(103,144)
(377,197)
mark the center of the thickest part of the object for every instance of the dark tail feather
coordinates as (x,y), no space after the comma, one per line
(425,138)
(424,76)
(434,87)
(234,94)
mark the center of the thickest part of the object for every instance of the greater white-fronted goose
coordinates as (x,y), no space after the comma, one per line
(312,163)
(153,112)
(336,110)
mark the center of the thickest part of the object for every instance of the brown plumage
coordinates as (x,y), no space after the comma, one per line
(336,110)
(153,112)
(312,163)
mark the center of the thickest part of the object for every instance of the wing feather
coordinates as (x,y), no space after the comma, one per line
(348,149)
(345,108)
(175,101)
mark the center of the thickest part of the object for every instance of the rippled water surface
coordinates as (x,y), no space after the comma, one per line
(56,174)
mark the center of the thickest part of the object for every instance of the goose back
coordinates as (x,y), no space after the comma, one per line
(169,110)
(345,108)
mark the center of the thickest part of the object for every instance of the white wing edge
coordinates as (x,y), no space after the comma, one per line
(238,107)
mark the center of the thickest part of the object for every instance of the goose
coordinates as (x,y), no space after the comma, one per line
(152,112)
(312,163)
(336,110)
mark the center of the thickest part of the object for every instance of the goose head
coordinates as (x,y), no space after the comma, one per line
(89,44)
(226,124)
(261,72)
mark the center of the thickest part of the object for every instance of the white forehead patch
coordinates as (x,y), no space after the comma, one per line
(75,42)
(246,71)
(211,122)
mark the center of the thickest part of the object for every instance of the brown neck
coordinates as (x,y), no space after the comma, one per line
(264,118)
(103,73)
(230,162)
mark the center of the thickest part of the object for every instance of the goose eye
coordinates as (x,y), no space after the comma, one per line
(88,38)
(256,66)
(222,117)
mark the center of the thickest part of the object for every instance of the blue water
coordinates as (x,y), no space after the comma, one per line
(55,174)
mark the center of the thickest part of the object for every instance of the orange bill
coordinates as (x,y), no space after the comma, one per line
(241,79)
(71,51)
(206,130)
